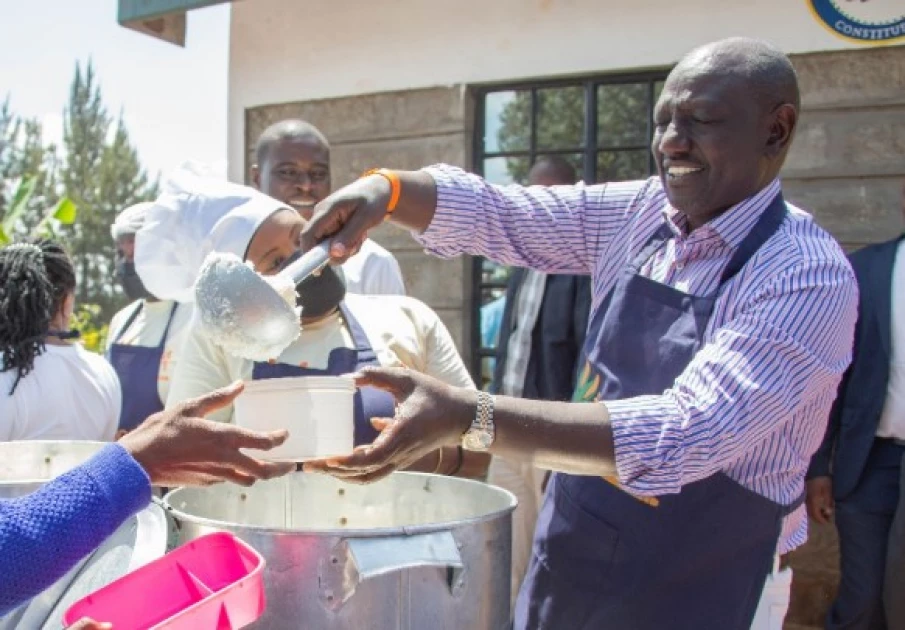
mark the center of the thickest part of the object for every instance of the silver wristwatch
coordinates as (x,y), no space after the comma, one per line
(481,433)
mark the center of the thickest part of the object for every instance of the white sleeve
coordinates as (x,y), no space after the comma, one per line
(389,277)
(381,274)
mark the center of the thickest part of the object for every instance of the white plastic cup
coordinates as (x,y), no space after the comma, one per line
(318,411)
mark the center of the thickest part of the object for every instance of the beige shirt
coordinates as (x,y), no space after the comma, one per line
(402,331)
(147,330)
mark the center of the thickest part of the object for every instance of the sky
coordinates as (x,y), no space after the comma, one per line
(173,98)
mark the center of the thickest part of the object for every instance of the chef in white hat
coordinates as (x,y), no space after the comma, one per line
(144,337)
(340,332)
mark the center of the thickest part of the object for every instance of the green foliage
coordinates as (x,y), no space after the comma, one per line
(13,215)
(94,336)
(63,213)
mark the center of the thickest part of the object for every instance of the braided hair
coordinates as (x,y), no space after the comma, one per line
(35,278)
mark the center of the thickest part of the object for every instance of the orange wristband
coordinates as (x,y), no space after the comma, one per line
(395,186)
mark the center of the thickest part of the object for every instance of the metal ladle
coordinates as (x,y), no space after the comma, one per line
(253,316)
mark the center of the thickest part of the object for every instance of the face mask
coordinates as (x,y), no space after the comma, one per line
(131,282)
(321,294)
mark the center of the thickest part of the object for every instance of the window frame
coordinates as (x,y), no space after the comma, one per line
(589,152)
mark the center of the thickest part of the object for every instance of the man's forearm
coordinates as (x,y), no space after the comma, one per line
(472,465)
(417,200)
(565,437)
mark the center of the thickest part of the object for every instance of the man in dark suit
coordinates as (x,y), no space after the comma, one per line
(541,334)
(856,471)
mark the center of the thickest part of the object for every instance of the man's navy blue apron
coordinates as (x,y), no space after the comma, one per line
(605,560)
(370,402)
(138,368)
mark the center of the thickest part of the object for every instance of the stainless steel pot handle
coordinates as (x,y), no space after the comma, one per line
(356,560)
(376,556)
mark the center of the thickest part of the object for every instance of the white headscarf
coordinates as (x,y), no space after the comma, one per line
(194,216)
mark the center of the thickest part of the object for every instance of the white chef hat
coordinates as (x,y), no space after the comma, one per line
(194,216)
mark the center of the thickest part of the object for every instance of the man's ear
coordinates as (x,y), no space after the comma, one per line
(255,175)
(782,129)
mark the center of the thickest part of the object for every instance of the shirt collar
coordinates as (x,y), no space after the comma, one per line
(733,225)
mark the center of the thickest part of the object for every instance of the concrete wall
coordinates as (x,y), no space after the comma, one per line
(847,163)
(284,51)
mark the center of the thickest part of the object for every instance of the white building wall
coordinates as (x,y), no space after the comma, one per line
(295,50)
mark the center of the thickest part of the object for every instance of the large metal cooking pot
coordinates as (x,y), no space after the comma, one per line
(27,465)
(411,552)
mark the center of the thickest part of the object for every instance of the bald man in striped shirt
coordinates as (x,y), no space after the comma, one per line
(722,320)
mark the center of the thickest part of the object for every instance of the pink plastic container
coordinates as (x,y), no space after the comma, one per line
(211,583)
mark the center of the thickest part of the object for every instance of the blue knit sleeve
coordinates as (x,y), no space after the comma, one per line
(46,533)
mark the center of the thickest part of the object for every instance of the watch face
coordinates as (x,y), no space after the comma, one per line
(477,440)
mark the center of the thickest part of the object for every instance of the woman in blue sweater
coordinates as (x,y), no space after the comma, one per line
(46,533)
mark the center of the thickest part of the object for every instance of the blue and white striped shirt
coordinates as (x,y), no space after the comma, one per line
(754,401)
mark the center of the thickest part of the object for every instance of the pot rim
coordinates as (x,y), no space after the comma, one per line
(35,445)
(373,532)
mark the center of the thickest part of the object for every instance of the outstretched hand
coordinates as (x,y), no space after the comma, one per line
(429,414)
(179,447)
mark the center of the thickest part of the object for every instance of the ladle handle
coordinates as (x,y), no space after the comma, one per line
(309,262)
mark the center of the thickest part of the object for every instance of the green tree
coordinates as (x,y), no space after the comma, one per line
(101,173)
(24,156)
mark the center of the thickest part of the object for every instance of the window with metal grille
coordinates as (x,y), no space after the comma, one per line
(602,125)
